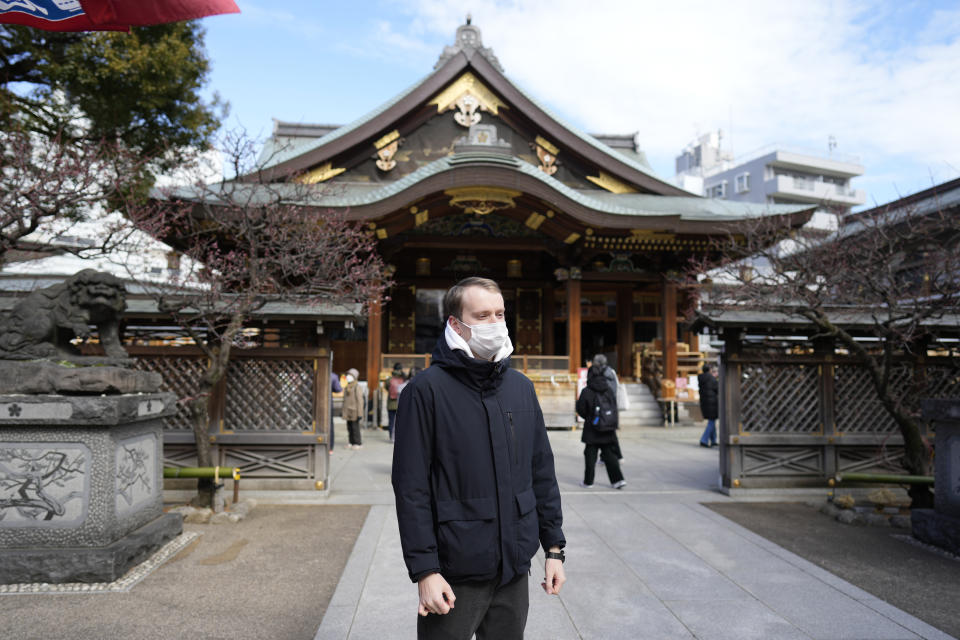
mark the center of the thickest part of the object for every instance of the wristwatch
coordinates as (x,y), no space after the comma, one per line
(556,556)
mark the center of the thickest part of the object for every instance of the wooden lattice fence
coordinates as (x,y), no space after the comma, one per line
(269,416)
(796,420)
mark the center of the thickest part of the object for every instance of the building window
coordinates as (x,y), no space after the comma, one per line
(743,183)
(718,190)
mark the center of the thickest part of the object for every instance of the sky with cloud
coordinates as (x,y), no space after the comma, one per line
(881,77)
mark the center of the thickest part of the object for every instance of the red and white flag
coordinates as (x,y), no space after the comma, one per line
(107,15)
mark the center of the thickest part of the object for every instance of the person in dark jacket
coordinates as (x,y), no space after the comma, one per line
(334,388)
(709,403)
(474,479)
(604,440)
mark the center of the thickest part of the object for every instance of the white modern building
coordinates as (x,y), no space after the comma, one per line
(772,174)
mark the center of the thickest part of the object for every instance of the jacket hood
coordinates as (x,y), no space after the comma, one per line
(598,383)
(475,373)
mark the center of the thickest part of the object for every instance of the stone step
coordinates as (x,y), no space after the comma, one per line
(646,413)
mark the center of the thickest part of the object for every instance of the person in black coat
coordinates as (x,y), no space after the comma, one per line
(709,403)
(597,432)
(473,476)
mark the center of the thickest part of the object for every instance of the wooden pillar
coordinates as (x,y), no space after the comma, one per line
(573,323)
(823,348)
(728,434)
(374,339)
(548,305)
(669,331)
(625,332)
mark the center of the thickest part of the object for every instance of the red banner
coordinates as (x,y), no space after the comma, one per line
(139,13)
(107,15)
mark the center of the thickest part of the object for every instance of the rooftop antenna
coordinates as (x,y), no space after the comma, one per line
(730,132)
(469,19)
(831,144)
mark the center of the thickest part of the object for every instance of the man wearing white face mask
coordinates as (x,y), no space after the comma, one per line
(473,477)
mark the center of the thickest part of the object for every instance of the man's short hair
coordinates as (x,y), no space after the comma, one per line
(600,360)
(453,299)
(706,368)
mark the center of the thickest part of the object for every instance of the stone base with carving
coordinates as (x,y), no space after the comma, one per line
(89,564)
(81,483)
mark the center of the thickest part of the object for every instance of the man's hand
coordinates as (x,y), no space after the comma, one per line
(554,577)
(436,596)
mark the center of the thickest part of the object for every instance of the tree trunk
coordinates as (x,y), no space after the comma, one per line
(916,456)
(200,414)
(200,408)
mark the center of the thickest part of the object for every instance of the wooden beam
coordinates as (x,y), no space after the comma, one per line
(374,337)
(625,332)
(548,304)
(669,331)
(573,324)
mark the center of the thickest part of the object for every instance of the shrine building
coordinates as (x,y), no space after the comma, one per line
(466,174)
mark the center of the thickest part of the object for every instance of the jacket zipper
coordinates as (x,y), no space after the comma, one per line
(513,437)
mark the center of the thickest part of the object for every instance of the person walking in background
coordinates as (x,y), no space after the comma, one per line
(709,403)
(394,385)
(334,388)
(474,478)
(600,361)
(353,408)
(597,406)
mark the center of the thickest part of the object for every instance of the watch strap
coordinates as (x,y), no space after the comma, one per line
(556,556)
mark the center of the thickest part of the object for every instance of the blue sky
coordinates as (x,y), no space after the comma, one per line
(883,78)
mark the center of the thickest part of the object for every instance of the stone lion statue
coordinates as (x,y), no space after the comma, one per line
(44,323)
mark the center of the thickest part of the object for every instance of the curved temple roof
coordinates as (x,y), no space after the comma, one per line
(310,146)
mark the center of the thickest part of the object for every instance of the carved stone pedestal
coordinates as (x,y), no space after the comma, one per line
(941,526)
(81,489)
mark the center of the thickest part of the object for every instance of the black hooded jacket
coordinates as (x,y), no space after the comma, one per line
(597,384)
(473,471)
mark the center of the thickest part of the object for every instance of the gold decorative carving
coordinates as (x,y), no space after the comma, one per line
(320,174)
(482,200)
(386,150)
(541,141)
(608,182)
(573,237)
(534,220)
(547,154)
(387,139)
(419,217)
(381,233)
(467,106)
(385,160)
(468,95)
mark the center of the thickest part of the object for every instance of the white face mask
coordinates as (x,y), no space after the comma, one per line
(486,339)
(349,378)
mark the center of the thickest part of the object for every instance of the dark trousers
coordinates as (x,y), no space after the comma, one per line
(609,457)
(492,612)
(353,431)
(392,419)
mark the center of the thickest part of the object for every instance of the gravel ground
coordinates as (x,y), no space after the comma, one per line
(268,576)
(921,581)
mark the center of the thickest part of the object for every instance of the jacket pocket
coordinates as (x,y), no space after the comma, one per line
(528,528)
(467,536)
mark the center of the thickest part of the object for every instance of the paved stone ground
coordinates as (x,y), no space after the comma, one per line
(881,561)
(647,562)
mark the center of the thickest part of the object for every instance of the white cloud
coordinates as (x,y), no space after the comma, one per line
(764,72)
